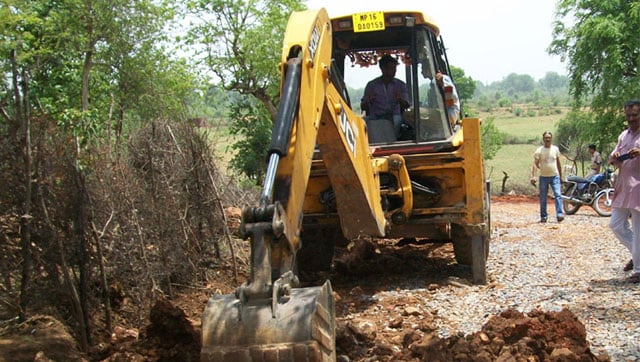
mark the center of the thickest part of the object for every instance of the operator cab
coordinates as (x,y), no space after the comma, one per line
(361,40)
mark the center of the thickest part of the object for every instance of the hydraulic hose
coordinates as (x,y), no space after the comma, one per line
(287,109)
(284,123)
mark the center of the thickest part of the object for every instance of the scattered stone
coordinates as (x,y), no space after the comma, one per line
(396,323)
(411,311)
(552,294)
(484,338)
(563,354)
(121,335)
(411,337)
(363,330)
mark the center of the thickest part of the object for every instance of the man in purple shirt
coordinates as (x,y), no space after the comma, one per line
(626,201)
(386,97)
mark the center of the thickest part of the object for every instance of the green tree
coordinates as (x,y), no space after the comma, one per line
(573,129)
(553,81)
(252,127)
(574,133)
(75,65)
(519,83)
(599,41)
(465,86)
(102,58)
(240,43)
(491,138)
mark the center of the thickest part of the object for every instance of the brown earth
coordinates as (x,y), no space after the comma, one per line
(401,331)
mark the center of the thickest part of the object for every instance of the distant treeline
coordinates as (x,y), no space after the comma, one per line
(552,90)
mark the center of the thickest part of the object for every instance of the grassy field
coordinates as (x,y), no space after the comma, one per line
(221,140)
(516,160)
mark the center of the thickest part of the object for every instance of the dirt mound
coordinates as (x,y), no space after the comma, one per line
(538,336)
(39,338)
(170,335)
(510,336)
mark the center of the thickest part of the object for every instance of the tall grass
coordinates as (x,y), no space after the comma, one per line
(221,139)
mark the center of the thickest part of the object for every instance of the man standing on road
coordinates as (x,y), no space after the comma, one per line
(547,160)
(626,198)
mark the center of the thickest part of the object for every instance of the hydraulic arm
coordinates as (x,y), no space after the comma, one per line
(265,309)
(325,183)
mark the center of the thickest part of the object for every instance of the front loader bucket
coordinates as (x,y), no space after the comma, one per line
(303,328)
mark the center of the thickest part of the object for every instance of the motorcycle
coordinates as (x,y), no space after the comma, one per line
(597,193)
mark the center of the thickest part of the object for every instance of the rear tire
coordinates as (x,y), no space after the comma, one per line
(602,203)
(472,254)
(314,259)
(480,253)
(570,207)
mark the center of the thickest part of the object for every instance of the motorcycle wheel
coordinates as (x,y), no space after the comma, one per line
(570,207)
(602,203)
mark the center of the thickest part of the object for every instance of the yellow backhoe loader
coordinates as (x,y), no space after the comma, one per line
(334,175)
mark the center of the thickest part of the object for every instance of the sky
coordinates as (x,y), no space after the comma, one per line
(488,39)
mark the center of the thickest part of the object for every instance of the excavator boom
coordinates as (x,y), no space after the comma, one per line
(334,173)
(274,318)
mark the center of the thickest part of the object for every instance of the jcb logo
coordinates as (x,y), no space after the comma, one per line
(347,131)
(313,42)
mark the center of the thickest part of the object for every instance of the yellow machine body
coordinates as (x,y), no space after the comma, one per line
(336,175)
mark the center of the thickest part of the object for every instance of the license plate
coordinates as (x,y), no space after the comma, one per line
(370,21)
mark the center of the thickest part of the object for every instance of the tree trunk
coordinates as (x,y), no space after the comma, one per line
(80,206)
(88,59)
(25,220)
(68,281)
(103,274)
(266,100)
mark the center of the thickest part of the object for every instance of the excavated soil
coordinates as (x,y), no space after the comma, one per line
(369,328)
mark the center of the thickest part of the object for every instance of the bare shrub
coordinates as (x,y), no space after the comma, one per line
(158,214)
(115,231)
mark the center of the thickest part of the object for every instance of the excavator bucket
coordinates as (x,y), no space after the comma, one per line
(299,327)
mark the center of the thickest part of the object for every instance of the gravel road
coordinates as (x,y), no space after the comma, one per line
(576,264)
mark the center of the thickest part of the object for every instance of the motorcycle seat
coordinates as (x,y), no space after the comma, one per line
(577,179)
